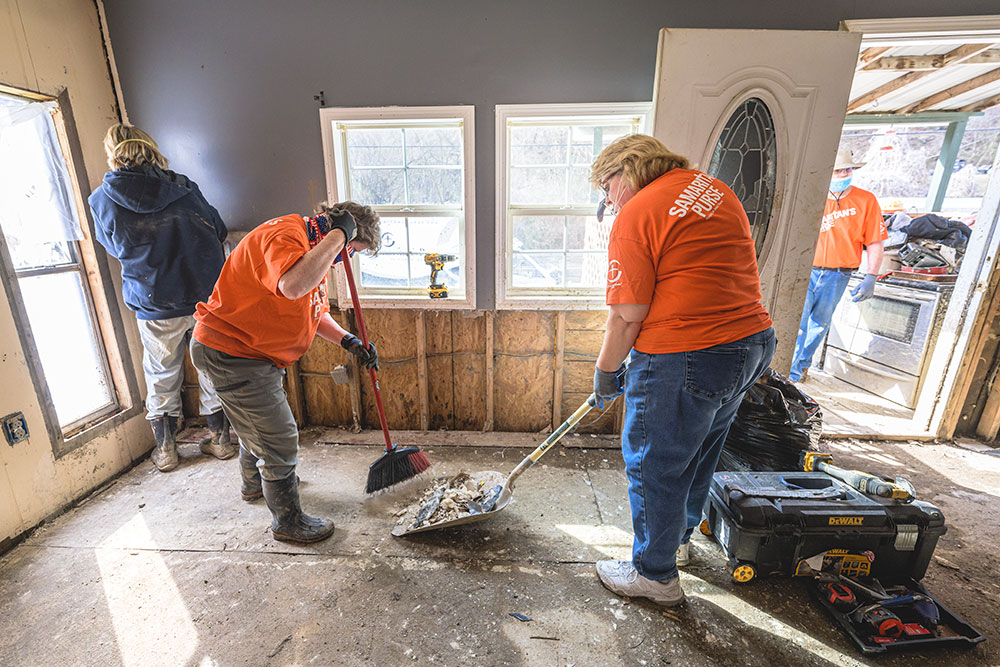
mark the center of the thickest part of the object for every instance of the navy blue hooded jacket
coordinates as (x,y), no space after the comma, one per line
(166,236)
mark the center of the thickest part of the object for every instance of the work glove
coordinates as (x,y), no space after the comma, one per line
(340,219)
(367,356)
(608,386)
(865,289)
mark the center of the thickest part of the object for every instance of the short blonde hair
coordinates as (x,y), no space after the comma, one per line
(128,146)
(365,218)
(640,158)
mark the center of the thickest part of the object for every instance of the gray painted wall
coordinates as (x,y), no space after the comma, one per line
(227,88)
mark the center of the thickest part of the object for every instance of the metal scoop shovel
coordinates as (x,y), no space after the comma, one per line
(500,495)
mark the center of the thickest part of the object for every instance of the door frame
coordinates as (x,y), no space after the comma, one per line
(939,404)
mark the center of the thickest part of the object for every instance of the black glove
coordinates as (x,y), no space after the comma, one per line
(340,219)
(367,357)
(608,386)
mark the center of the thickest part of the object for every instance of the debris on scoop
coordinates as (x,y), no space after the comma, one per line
(449,499)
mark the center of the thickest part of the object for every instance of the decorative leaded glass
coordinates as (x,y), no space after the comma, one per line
(745,159)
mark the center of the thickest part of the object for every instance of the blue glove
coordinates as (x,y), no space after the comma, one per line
(608,386)
(864,290)
(367,356)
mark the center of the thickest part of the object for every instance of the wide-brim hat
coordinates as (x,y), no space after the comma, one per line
(845,160)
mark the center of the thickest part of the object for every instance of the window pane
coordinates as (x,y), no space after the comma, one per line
(377,186)
(586,269)
(378,147)
(588,142)
(434,186)
(539,233)
(537,185)
(544,145)
(38,255)
(384,270)
(450,275)
(580,189)
(434,146)
(393,234)
(435,235)
(67,344)
(586,233)
(538,270)
(745,159)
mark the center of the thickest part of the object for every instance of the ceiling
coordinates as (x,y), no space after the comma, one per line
(928,72)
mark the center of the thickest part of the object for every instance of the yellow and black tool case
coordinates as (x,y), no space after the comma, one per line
(799,523)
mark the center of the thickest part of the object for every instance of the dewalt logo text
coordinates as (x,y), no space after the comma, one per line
(846,520)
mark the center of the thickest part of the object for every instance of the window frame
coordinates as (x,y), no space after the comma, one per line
(336,175)
(567,298)
(102,303)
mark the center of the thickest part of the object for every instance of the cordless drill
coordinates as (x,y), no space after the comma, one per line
(437,261)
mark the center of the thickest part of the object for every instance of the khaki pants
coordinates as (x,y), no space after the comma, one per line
(163,346)
(254,400)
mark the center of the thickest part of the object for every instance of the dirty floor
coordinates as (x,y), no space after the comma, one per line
(174,569)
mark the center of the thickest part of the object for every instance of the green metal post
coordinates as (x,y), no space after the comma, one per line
(945,165)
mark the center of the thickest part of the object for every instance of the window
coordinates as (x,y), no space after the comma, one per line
(553,249)
(745,159)
(40,217)
(413,165)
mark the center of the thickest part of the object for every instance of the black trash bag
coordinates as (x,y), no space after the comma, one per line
(775,423)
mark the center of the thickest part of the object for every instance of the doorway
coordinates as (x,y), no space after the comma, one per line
(924,113)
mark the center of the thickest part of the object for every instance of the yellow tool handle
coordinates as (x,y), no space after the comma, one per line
(553,438)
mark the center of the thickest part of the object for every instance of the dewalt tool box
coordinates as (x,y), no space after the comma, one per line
(793,523)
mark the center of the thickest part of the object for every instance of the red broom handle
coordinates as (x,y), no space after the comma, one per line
(346,261)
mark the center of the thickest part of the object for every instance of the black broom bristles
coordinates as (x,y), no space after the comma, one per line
(394,466)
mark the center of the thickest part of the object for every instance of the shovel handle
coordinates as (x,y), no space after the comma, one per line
(556,435)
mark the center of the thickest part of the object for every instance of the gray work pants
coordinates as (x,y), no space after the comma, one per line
(254,400)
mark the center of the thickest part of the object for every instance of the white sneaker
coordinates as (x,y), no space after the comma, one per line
(683,554)
(621,577)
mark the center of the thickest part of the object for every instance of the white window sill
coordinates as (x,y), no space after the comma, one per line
(551,302)
(413,302)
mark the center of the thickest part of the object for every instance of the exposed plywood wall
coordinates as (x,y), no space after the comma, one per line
(437,368)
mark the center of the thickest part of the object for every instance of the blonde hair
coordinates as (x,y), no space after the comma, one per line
(128,146)
(640,158)
(365,218)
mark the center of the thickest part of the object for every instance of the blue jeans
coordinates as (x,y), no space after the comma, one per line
(678,409)
(826,286)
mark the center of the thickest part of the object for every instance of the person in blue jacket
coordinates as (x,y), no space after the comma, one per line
(168,239)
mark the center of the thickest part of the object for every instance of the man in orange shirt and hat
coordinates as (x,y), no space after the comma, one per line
(852,222)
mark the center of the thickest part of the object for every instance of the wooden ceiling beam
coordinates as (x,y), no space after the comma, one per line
(955,91)
(954,56)
(920,63)
(983,104)
(870,54)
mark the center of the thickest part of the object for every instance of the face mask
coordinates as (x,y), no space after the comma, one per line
(840,184)
(613,208)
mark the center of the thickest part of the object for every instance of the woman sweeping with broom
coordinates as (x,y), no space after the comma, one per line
(268,304)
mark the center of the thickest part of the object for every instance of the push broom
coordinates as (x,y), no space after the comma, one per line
(397,464)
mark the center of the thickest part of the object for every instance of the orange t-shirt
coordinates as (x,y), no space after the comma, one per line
(247,316)
(682,244)
(849,224)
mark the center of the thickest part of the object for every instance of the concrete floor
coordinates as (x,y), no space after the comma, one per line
(175,569)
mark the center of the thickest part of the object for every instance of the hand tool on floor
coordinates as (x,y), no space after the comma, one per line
(497,498)
(872,485)
(437,261)
(397,464)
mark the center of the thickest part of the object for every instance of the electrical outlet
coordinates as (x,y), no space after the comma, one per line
(15,428)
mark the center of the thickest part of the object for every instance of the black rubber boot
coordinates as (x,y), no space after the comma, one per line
(288,523)
(219,445)
(165,453)
(250,488)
